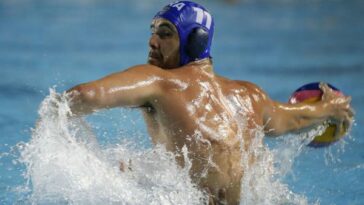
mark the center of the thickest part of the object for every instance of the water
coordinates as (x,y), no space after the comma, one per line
(45,43)
(66,165)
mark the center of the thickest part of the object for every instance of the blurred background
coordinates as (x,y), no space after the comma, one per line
(277,44)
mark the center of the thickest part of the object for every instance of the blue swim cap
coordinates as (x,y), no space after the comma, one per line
(195,27)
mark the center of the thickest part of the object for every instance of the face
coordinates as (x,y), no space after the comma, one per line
(163,44)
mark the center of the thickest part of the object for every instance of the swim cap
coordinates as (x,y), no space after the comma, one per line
(195,27)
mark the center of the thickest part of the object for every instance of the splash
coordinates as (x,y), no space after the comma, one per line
(262,181)
(66,165)
(291,147)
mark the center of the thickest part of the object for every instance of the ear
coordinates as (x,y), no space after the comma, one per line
(197,42)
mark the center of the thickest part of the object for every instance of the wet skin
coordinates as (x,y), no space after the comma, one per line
(164,45)
(190,107)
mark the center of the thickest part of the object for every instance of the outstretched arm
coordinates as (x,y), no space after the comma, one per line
(133,88)
(281,118)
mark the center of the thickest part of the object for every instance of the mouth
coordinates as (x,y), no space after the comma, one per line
(154,57)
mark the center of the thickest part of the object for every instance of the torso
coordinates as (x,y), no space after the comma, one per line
(208,115)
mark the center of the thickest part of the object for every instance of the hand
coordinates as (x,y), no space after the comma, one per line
(341,114)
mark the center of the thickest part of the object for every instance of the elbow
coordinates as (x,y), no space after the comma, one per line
(82,93)
(82,99)
(87,93)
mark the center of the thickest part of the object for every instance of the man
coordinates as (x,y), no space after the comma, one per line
(187,106)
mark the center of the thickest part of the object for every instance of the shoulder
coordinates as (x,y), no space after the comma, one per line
(239,84)
(145,69)
(252,89)
(249,85)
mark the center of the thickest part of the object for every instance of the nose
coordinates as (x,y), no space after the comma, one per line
(153,41)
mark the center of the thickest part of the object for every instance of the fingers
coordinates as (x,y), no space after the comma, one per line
(348,99)
(336,99)
(342,113)
(326,91)
(324,87)
(351,112)
(339,130)
(344,125)
(343,103)
(347,125)
(349,119)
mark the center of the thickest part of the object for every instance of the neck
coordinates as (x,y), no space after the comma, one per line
(203,64)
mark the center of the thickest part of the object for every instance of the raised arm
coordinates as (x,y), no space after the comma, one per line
(133,87)
(281,118)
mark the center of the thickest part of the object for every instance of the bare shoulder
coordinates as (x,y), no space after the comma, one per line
(255,91)
(239,84)
(145,69)
(251,87)
(139,73)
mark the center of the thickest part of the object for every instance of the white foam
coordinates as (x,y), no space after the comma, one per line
(66,165)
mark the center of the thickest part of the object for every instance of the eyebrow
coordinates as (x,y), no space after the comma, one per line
(169,26)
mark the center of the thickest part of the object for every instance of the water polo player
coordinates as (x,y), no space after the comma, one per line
(187,107)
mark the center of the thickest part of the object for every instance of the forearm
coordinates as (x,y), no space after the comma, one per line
(286,118)
(282,118)
(306,114)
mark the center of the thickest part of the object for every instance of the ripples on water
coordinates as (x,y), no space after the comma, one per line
(66,165)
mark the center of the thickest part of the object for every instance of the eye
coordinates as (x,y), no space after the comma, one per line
(152,31)
(164,34)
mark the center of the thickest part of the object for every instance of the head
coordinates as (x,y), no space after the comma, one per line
(181,33)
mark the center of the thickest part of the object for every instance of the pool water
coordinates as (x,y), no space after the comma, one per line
(49,46)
